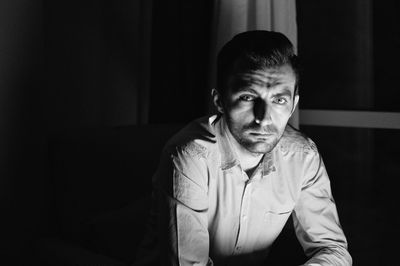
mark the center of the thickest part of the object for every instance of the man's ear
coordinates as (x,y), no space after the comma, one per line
(217,100)
(295,102)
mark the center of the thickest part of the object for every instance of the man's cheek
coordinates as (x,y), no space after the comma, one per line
(242,115)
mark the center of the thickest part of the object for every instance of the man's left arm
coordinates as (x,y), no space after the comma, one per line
(316,220)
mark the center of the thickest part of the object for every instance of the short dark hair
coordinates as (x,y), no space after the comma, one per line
(254,50)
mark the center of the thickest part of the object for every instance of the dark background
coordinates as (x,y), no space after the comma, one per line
(79,64)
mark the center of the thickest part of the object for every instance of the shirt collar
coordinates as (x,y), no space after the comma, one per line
(228,155)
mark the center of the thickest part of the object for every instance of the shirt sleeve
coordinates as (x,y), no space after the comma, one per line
(316,220)
(181,185)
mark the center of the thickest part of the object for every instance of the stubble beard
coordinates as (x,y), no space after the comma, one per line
(258,147)
(255,147)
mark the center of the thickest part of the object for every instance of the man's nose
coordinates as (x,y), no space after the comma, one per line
(262,113)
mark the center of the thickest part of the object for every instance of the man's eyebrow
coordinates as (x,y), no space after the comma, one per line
(284,92)
(246,89)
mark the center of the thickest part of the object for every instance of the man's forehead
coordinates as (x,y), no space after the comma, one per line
(270,77)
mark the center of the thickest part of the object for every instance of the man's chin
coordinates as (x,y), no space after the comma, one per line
(260,148)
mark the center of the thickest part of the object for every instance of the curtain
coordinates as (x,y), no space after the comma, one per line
(234,16)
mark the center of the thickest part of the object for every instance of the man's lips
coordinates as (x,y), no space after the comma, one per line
(260,135)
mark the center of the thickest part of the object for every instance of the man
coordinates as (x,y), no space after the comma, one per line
(227,184)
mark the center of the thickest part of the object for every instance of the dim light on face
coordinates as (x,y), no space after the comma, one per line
(258,105)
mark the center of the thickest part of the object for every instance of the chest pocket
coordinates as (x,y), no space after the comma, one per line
(275,207)
(276,218)
(273,220)
(278,212)
(279,209)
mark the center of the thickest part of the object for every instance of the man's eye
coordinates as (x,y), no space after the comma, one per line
(247,98)
(280,100)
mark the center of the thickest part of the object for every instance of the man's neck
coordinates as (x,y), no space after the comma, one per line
(248,160)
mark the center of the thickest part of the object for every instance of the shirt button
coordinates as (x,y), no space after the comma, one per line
(238,248)
(244,217)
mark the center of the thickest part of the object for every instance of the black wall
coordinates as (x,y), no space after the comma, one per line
(21,124)
(78,64)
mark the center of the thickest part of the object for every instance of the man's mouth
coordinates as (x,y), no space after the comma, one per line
(260,135)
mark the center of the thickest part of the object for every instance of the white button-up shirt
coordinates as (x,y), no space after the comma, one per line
(208,211)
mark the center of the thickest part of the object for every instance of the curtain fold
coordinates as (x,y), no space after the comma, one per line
(234,16)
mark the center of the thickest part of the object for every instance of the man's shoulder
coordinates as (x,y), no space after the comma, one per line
(196,139)
(294,140)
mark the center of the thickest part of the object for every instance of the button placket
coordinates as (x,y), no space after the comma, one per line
(243,219)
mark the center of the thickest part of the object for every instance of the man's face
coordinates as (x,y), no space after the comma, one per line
(258,105)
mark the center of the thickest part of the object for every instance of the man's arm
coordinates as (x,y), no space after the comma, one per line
(181,186)
(316,220)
